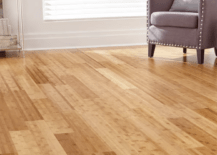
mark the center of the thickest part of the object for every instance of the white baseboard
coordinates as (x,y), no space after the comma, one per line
(85,39)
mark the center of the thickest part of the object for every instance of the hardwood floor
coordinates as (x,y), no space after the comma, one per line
(108,101)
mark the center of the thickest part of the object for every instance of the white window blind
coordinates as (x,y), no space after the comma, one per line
(79,9)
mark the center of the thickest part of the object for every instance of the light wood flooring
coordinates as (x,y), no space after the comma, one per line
(108,101)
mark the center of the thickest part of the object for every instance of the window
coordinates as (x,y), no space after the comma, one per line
(80,9)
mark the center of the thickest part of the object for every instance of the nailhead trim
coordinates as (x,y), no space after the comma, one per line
(173,45)
(201,27)
(163,44)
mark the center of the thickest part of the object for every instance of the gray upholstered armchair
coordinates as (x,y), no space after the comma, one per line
(183,23)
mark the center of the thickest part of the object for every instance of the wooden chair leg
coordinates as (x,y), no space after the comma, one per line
(215,51)
(151,48)
(200,56)
(185,50)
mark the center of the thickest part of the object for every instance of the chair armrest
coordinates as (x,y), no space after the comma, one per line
(158,5)
(207,24)
(154,6)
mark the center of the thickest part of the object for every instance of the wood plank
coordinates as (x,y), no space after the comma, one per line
(56,98)
(80,88)
(200,135)
(208,113)
(43,136)
(25,143)
(68,144)
(124,84)
(90,61)
(52,116)
(26,106)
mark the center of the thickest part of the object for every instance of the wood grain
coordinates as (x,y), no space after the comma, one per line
(108,101)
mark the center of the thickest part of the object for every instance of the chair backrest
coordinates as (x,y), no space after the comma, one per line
(185,6)
(159,5)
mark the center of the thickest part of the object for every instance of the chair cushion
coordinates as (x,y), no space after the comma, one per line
(175,19)
(185,5)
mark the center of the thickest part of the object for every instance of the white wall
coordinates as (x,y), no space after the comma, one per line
(39,34)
